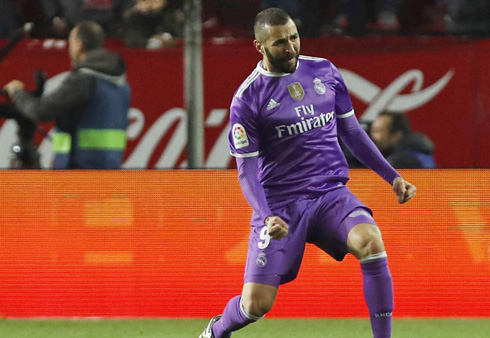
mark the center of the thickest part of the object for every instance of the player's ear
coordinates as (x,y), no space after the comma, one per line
(259,47)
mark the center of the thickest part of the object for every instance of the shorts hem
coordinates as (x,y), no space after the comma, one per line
(264,279)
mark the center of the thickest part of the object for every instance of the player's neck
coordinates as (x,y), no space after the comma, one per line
(269,67)
(266,67)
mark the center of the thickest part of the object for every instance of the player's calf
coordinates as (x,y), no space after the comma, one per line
(365,242)
(234,317)
(378,293)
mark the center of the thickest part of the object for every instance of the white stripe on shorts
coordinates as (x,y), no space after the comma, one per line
(360,212)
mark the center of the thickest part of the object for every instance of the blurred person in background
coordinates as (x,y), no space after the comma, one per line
(316,18)
(423,17)
(313,16)
(402,147)
(468,17)
(153,24)
(359,13)
(15,13)
(290,6)
(370,16)
(228,19)
(63,15)
(89,106)
(9,19)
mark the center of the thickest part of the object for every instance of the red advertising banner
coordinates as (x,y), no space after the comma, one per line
(173,244)
(439,82)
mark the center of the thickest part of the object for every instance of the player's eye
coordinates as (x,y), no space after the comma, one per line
(279,42)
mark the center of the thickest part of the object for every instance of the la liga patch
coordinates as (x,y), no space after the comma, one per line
(240,138)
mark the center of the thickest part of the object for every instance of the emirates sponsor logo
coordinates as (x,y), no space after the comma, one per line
(304,125)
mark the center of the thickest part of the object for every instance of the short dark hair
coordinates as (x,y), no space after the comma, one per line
(272,17)
(91,34)
(399,122)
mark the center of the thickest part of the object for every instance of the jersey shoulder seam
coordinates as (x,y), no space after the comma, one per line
(246,84)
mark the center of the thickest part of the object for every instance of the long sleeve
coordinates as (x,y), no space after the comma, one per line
(354,137)
(363,148)
(72,95)
(252,189)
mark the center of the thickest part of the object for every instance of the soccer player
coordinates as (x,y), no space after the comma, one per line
(285,119)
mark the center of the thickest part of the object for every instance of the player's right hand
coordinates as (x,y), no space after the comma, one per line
(404,190)
(276,227)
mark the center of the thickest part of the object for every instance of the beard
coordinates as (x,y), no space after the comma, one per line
(281,64)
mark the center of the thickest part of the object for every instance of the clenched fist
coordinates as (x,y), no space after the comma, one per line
(276,227)
(404,190)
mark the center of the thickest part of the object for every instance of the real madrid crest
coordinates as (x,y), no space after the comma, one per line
(296,91)
(319,87)
(261,260)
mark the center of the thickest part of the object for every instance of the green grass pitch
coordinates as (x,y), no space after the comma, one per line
(267,328)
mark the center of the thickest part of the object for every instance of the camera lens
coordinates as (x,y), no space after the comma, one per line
(16,149)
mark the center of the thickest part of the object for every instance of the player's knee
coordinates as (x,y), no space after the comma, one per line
(365,241)
(258,306)
(370,245)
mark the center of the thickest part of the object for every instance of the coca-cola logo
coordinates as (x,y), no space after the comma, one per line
(149,138)
(389,98)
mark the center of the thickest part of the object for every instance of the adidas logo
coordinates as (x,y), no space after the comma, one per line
(272,104)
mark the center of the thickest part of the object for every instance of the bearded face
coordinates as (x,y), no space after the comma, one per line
(280,47)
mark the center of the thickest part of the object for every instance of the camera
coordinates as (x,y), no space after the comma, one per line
(24,154)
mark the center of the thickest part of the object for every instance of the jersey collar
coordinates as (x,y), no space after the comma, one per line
(262,71)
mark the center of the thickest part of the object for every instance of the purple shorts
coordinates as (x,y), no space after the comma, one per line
(324,222)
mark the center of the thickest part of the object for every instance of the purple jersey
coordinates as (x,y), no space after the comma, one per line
(290,122)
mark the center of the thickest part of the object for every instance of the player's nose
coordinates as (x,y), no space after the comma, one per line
(290,47)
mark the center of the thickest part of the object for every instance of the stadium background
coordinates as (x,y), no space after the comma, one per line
(440,82)
(163,243)
(142,243)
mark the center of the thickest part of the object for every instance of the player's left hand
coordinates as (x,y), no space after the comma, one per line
(404,190)
(13,86)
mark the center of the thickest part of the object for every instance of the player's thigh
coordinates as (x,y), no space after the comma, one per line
(336,214)
(258,299)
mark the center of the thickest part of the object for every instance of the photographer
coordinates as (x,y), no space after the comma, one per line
(89,107)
